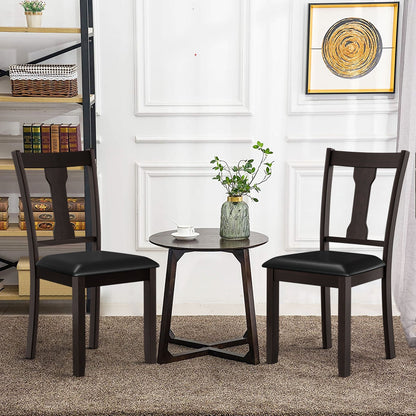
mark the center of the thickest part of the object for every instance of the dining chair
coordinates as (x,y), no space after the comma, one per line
(338,269)
(91,268)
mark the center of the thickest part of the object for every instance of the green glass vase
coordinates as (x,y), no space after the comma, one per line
(235,223)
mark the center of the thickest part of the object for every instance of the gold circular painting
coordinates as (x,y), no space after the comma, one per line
(352,47)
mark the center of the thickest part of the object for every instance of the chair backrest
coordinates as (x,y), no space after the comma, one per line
(55,167)
(365,169)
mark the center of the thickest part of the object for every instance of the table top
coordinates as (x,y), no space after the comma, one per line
(208,240)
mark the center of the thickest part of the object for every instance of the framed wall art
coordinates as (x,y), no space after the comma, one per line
(352,48)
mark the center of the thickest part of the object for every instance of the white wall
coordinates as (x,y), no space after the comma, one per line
(182,81)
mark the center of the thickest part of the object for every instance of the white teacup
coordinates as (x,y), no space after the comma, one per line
(185,230)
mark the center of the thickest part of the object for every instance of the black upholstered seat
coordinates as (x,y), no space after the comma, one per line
(94,263)
(335,263)
(338,269)
(89,269)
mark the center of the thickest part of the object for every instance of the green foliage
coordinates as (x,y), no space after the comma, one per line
(240,179)
(33,5)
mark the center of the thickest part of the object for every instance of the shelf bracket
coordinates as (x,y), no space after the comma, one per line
(8,264)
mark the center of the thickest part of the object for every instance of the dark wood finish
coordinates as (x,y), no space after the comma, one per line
(149,317)
(364,178)
(57,178)
(365,168)
(243,257)
(32,332)
(78,326)
(272,317)
(326,317)
(387,318)
(94,317)
(344,327)
(55,166)
(208,240)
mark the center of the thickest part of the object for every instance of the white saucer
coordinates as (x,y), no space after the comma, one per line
(185,237)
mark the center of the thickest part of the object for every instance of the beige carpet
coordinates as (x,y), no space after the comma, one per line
(117,382)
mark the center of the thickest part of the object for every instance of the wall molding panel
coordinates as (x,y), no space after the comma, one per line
(341,139)
(167,140)
(156,79)
(146,176)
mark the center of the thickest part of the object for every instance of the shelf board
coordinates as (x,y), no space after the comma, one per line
(40,29)
(8,98)
(15,231)
(8,165)
(11,292)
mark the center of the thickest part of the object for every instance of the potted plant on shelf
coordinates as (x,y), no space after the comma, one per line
(239,180)
(33,12)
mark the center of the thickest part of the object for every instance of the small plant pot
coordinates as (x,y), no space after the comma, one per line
(33,19)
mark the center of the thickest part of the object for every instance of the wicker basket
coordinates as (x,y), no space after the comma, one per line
(44,80)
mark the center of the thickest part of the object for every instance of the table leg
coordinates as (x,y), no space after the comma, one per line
(244,258)
(163,354)
(216,348)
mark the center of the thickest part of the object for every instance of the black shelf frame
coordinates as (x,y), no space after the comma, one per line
(88,89)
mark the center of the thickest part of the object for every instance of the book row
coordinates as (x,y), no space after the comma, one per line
(43,214)
(4,212)
(44,217)
(51,138)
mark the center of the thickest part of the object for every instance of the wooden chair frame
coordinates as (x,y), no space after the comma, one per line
(365,166)
(55,167)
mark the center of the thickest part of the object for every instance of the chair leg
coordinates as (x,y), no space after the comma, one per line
(78,326)
(344,327)
(32,330)
(326,317)
(149,317)
(272,318)
(94,317)
(387,318)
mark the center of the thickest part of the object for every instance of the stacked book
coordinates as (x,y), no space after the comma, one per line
(51,138)
(4,212)
(44,217)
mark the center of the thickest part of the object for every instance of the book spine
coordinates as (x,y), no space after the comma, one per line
(76,206)
(45,133)
(50,225)
(4,225)
(74,137)
(49,216)
(63,138)
(55,138)
(36,139)
(4,216)
(27,138)
(4,203)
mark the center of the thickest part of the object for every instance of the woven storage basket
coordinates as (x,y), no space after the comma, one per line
(44,80)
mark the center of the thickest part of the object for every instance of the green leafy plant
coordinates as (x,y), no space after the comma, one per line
(241,179)
(33,5)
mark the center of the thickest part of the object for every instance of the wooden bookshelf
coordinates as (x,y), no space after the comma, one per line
(8,165)
(39,39)
(11,292)
(8,98)
(15,231)
(40,29)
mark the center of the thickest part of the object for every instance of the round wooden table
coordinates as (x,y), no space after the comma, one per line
(209,240)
